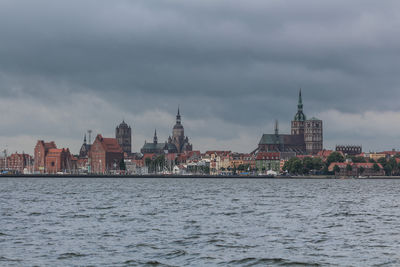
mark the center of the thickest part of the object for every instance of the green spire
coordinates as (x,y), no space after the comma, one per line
(300,104)
(300,115)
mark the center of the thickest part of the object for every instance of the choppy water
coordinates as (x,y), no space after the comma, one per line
(199,222)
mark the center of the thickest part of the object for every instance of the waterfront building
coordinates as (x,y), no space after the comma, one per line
(306,136)
(40,152)
(49,159)
(58,160)
(123,134)
(105,155)
(20,163)
(220,161)
(268,161)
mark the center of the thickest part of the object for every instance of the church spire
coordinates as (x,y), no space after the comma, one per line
(300,104)
(84,139)
(155,139)
(300,115)
(178,117)
(276,127)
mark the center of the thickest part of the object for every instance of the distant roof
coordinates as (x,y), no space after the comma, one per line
(285,139)
(109,144)
(314,119)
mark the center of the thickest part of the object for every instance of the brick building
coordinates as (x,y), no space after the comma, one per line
(105,155)
(40,152)
(18,162)
(58,160)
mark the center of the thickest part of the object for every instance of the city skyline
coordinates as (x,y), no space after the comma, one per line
(232,67)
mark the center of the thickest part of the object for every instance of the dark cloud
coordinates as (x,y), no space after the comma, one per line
(240,62)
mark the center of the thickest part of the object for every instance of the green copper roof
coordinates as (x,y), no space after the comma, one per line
(314,119)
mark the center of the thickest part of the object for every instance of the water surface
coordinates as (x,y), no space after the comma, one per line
(199,222)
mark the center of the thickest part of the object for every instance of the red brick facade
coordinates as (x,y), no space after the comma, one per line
(18,162)
(41,150)
(105,155)
(58,160)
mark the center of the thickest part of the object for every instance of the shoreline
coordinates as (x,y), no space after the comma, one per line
(174,176)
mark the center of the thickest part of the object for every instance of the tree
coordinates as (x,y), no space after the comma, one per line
(361,170)
(349,168)
(318,164)
(393,165)
(388,170)
(334,157)
(376,167)
(294,165)
(358,159)
(336,169)
(382,161)
(308,165)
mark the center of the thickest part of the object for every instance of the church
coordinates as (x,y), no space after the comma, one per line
(177,143)
(306,135)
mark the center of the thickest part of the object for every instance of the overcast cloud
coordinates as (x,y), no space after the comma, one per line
(232,66)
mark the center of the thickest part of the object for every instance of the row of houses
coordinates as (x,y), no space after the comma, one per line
(105,155)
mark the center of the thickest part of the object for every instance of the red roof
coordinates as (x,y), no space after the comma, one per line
(109,144)
(218,152)
(268,156)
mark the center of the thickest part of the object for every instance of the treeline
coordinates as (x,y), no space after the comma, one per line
(310,165)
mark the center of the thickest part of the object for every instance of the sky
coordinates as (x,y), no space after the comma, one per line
(232,66)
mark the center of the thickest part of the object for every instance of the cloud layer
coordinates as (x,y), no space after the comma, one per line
(232,66)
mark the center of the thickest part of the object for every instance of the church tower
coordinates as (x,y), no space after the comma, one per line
(178,136)
(299,118)
(123,134)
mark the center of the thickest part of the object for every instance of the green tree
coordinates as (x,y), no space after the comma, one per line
(318,164)
(334,157)
(376,167)
(308,165)
(388,170)
(382,161)
(349,168)
(336,169)
(294,165)
(393,165)
(361,170)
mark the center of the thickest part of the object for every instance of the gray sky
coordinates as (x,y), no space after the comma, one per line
(232,66)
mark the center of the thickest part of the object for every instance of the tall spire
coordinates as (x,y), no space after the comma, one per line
(300,115)
(84,139)
(155,139)
(276,127)
(178,117)
(300,104)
